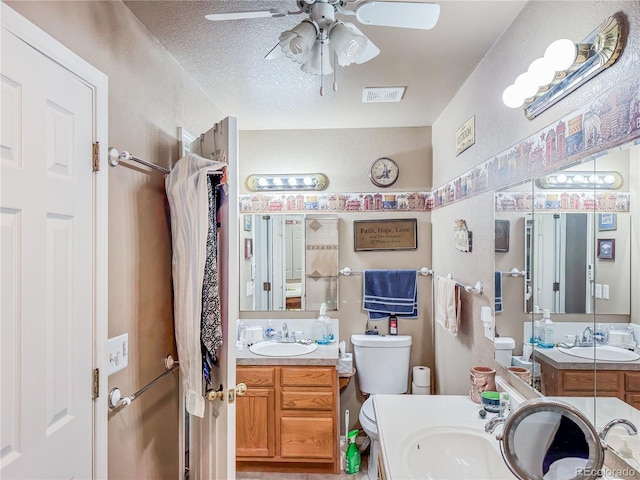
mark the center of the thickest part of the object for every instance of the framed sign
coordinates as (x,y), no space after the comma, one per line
(398,234)
(606,248)
(502,236)
(466,135)
(606,221)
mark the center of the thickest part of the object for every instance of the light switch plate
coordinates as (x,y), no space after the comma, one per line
(605,291)
(117,353)
(598,290)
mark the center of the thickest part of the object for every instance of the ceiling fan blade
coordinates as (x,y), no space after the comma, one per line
(423,16)
(215,17)
(275,52)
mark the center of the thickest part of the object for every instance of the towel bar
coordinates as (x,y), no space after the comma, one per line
(515,272)
(346,271)
(117,400)
(477,288)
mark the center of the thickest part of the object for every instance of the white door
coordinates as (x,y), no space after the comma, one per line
(47,259)
(213,451)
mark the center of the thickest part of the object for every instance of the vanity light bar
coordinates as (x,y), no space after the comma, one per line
(286,182)
(581,180)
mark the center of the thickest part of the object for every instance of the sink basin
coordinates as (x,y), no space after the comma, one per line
(454,453)
(602,352)
(274,349)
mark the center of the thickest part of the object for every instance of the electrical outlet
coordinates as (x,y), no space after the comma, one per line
(605,291)
(117,353)
(249,289)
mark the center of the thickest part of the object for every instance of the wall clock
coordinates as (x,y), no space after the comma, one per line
(384,172)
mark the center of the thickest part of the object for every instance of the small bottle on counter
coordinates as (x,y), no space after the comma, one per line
(393,325)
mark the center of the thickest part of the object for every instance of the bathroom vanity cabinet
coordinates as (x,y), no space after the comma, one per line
(288,419)
(556,380)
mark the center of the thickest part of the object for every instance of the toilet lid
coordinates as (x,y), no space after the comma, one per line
(367,409)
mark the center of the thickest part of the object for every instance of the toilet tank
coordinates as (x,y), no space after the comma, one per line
(382,362)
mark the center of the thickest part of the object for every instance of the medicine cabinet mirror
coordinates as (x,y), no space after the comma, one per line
(290,262)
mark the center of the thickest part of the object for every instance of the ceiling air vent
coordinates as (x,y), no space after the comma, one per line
(382,94)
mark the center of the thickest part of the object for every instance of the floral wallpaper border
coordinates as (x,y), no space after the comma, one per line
(611,119)
(560,201)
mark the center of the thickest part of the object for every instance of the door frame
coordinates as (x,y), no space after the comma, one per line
(97,81)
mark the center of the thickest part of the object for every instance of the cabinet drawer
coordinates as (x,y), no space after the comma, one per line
(295,400)
(307,437)
(632,381)
(256,376)
(633,400)
(308,376)
(582,381)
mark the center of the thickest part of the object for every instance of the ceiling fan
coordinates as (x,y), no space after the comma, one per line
(313,41)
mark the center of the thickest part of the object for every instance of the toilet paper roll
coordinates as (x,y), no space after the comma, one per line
(418,390)
(422,376)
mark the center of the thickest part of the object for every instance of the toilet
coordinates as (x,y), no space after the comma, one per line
(382,363)
(503,350)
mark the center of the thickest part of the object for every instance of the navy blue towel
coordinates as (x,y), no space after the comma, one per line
(387,292)
(498,293)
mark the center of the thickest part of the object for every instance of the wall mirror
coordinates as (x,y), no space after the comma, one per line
(290,262)
(554,237)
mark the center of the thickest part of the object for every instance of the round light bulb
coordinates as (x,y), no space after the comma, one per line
(277,181)
(609,178)
(262,181)
(292,182)
(528,88)
(578,178)
(541,72)
(593,179)
(561,178)
(512,97)
(308,181)
(561,54)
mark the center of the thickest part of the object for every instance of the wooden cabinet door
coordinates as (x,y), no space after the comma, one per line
(304,437)
(255,423)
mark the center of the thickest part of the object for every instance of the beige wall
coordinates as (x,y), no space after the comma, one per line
(345,157)
(497,128)
(149,97)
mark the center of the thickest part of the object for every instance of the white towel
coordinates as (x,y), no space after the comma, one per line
(187,193)
(448,303)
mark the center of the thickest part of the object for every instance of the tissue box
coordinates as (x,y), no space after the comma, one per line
(345,363)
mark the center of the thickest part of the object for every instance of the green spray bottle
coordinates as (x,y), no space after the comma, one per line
(353,454)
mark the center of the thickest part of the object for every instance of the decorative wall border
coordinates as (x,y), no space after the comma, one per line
(561,201)
(611,119)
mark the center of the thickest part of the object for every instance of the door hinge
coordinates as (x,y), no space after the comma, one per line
(96,382)
(96,156)
(266,286)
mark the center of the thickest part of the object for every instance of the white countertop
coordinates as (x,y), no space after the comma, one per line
(323,355)
(564,361)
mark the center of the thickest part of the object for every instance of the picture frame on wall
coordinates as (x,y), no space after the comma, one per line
(606,249)
(606,221)
(502,235)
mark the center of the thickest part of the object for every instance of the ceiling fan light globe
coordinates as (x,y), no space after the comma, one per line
(297,42)
(347,44)
(318,62)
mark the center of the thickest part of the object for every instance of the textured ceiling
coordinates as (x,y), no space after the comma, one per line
(227,60)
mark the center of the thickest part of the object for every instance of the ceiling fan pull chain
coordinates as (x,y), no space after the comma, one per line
(335,71)
(321,68)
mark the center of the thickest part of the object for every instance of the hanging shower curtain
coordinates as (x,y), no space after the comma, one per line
(188,194)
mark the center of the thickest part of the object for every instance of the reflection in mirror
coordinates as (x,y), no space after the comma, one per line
(592,295)
(546,439)
(290,262)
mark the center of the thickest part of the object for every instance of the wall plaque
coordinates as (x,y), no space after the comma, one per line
(466,135)
(400,234)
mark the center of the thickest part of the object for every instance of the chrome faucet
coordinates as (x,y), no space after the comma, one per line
(587,331)
(493,423)
(285,331)
(283,336)
(629,427)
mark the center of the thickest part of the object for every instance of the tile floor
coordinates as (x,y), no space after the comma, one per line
(362,475)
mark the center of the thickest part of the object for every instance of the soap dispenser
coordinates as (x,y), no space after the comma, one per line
(547,330)
(322,326)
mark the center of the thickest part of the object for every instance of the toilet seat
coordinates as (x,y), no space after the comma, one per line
(367,418)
